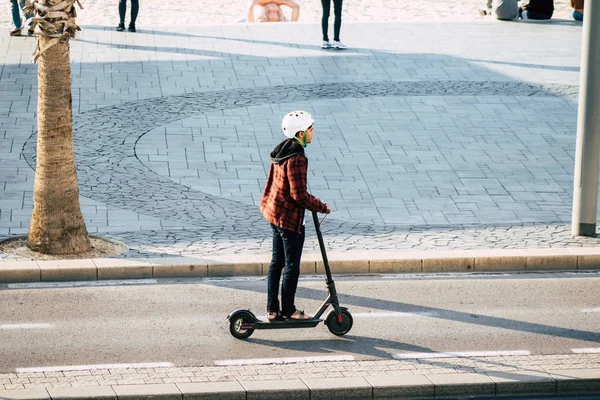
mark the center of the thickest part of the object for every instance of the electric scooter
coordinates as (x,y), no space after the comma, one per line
(242,323)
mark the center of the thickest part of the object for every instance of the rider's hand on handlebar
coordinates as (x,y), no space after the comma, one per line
(328,210)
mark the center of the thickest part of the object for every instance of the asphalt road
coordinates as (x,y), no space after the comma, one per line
(183,321)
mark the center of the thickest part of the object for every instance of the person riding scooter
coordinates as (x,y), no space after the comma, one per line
(283,203)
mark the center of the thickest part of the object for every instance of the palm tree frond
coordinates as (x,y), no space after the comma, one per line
(53,19)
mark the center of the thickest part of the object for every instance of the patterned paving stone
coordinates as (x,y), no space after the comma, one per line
(483,161)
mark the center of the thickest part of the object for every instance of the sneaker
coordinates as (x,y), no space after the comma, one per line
(326,45)
(339,45)
(121,28)
(15,32)
(485,11)
(131,28)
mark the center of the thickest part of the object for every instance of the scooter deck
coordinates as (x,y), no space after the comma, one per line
(283,324)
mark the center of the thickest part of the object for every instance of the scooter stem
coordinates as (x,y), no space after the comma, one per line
(322,247)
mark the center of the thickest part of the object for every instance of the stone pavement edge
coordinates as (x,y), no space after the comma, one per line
(427,378)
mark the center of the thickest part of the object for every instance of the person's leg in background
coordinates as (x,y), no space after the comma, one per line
(27,16)
(528,14)
(135,7)
(122,11)
(16,18)
(577,15)
(274,274)
(326,4)
(337,25)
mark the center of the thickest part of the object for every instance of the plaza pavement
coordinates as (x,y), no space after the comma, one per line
(430,136)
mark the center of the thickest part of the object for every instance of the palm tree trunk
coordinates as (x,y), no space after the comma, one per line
(57,225)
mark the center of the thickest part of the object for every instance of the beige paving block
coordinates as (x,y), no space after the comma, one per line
(212,390)
(19,271)
(276,389)
(85,392)
(449,385)
(165,391)
(307,264)
(339,388)
(550,259)
(116,268)
(22,394)
(499,260)
(401,386)
(68,270)
(588,258)
(346,262)
(234,265)
(514,383)
(447,261)
(174,267)
(383,262)
(576,380)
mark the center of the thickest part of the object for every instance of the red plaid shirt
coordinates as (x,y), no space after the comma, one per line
(285,197)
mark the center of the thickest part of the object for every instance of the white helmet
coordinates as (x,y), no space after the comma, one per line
(296,121)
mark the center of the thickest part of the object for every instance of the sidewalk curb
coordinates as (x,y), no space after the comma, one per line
(350,262)
(491,384)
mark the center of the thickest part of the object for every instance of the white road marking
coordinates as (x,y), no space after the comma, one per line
(394,314)
(590,310)
(24,326)
(586,351)
(288,360)
(93,367)
(463,354)
(43,285)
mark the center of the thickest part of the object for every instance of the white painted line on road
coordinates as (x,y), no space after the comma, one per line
(590,350)
(93,367)
(288,360)
(403,356)
(393,314)
(590,310)
(24,326)
(44,285)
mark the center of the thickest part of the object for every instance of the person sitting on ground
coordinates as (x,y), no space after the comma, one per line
(504,10)
(577,6)
(537,9)
(271,10)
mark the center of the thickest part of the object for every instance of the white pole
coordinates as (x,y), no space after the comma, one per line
(585,190)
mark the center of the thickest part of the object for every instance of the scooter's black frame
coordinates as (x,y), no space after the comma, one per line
(331,300)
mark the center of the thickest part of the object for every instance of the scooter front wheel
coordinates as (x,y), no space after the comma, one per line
(340,328)
(236,326)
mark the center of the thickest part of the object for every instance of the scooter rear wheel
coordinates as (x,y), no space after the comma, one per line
(342,328)
(235,327)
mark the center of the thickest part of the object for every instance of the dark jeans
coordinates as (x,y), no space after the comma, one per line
(135,7)
(337,10)
(287,251)
(532,14)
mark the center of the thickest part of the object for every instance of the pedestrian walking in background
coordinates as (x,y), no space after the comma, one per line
(16,6)
(135,7)
(283,203)
(337,24)
(537,9)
